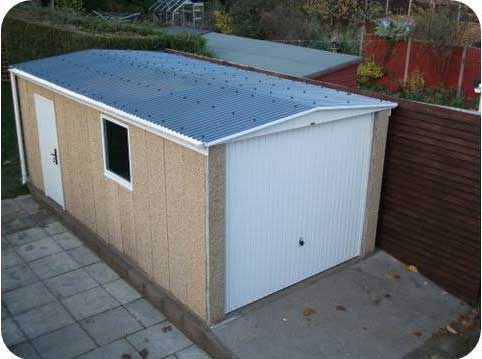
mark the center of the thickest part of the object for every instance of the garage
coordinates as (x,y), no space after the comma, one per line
(221,184)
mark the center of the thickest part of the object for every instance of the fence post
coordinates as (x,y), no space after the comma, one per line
(461,70)
(407,60)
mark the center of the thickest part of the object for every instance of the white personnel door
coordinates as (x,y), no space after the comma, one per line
(49,149)
(294,205)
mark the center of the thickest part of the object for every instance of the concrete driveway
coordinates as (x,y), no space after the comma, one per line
(59,300)
(371,309)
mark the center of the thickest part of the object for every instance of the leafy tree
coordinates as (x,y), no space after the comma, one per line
(334,12)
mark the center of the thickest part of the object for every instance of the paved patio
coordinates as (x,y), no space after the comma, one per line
(59,300)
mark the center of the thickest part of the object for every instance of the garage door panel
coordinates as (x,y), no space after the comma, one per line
(306,184)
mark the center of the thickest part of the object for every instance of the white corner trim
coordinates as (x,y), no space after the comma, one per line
(170,135)
(238,135)
(18,125)
(108,173)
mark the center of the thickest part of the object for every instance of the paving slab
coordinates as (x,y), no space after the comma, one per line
(10,258)
(28,204)
(120,349)
(26,236)
(122,291)
(145,312)
(42,320)
(110,325)
(67,240)
(55,227)
(25,351)
(11,334)
(68,284)
(90,302)
(192,352)
(102,273)
(28,297)
(10,206)
(43,217)
(38,249)
(16,277)
(18,224)
(370,309)
(54,265)
(5,313)
(64,343)
(84,256)
(159,340)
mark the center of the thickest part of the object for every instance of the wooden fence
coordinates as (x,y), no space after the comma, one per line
(458,69)
(430,207)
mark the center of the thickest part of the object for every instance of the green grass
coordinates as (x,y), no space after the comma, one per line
(11,175)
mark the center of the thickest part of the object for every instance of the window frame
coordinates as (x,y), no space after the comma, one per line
(108,173)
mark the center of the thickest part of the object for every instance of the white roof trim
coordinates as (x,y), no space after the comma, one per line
(173,136)
(246,133)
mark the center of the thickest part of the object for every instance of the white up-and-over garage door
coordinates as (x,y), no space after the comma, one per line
(294,205)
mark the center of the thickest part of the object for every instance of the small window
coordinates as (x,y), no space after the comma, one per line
(117,164)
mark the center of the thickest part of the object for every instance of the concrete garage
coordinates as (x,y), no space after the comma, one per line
(222,184)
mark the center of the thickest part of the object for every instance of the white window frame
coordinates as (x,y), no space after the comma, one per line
(109,174)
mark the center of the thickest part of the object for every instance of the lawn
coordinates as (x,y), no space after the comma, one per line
(11,175)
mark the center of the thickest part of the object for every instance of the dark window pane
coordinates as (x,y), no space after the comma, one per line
(117,149)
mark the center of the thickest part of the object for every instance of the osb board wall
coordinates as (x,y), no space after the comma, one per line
(160,225)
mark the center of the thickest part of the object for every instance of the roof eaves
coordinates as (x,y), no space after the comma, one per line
(384,105)
(174,136)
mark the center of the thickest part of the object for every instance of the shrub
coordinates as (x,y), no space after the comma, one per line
(393,29)
(223,22)
(414,87)
(368,71)
(52,33)
(70,4)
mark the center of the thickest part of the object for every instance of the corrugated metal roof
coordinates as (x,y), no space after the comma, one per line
(194,98)
(273,56)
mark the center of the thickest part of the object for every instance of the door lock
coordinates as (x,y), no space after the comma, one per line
(54,157)
(301,242)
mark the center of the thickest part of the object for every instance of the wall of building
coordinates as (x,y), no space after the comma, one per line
(160,225)
(347,76)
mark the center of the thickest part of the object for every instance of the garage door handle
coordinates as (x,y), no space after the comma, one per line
(301,242)
(54,157)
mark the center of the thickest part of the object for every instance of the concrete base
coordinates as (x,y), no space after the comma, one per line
(369,309)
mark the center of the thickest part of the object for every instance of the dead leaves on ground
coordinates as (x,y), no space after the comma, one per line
(411,268)
(408,268)
(308,312)
(393,275)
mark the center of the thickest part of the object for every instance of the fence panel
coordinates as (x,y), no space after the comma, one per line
(430,208)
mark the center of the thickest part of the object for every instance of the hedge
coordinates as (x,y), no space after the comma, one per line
(28,40)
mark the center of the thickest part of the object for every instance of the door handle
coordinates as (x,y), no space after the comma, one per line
(54,157)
